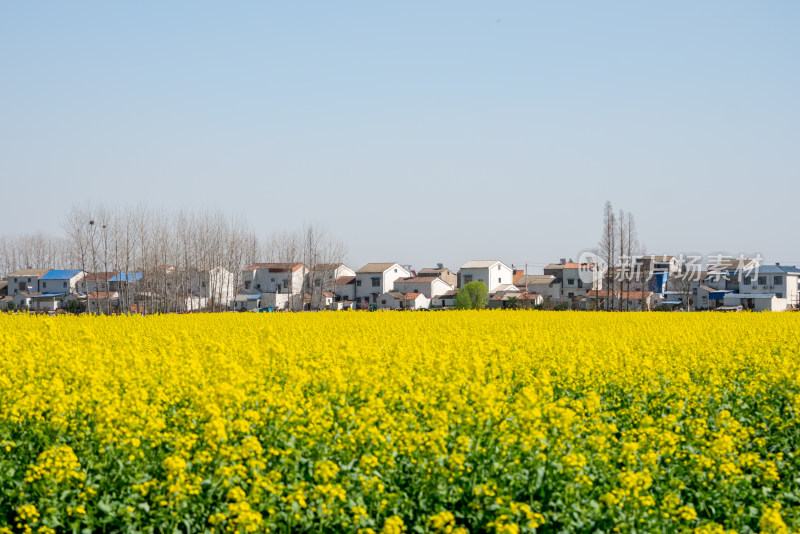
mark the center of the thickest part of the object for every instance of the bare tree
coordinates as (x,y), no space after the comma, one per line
(606,250)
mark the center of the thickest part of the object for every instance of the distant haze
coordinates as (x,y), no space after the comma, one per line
(416,132)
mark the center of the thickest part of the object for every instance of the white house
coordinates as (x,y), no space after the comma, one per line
(427,285)
(756,301)
(23,300)
(545,285)
(322,281)
(493,273)
(440,271)
(344,289)
(246,302)
(280,284)
(60,280)
(24,280)
(324,275)
(374,279)
(575,279)
(446,300)
(274,278)
(783,281)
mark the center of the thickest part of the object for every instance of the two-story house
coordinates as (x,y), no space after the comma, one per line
(493,273)
(323,286)
(440,271)
(280,284)
(783,281)
(575,279)
(374,279)
(60,281)
(24,280)
(429,286)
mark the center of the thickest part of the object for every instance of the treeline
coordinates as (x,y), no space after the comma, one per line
(98,239)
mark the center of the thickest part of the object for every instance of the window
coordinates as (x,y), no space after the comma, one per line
(383,302)
(317,282)
(258,286)
(778,280)
(498,267)
(271,279)
(247,284)
(285,283)
(202,284)
(358,283)
(44,285)
(762,280)
(779,295)
(64,285)
(570,281)
(376,282)
(499,280)
(580,284)
(395,270)
(467,278)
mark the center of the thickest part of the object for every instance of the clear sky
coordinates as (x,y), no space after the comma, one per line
(416,132)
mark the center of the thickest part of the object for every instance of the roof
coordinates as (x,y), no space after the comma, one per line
(751,295)
(431,271)
(48,295)
(655,257)
(376,267)
(29,272)
(712,290)
(570,265)
(480,264)
(100,277)
(448,294)
(410,296)
(396,294)
(127,277)
(733,264)
(501,288)
(418,280)
(327,266)
(276,267)
(344,280)
(60,274)
(529,296)
(776,269)
(536,279)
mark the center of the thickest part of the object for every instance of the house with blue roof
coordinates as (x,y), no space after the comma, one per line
(60,281)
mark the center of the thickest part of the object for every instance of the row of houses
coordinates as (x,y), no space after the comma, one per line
(663,282)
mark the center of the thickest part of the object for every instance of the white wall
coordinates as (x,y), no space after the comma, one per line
(385,283)
(493,276)
(430,287)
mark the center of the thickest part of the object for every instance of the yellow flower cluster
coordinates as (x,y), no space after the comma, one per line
(451,422)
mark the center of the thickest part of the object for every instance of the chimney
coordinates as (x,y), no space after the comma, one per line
(563,261)
(777,264)
(440,265)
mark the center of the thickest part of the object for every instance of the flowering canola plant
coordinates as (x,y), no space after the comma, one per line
(457,422)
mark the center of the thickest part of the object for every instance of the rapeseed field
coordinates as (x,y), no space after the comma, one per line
(453,422)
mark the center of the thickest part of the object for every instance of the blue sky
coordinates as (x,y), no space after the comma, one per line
(416,132)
